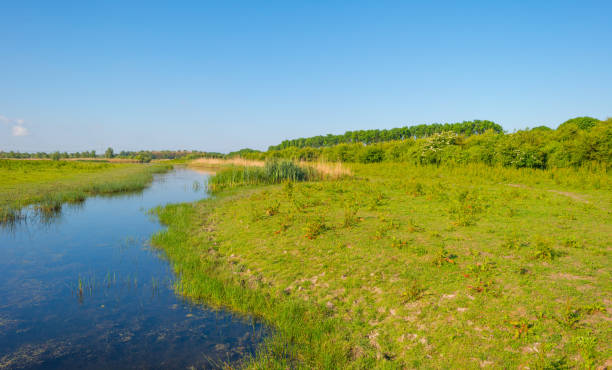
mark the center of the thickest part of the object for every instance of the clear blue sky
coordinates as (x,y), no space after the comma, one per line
(220,76)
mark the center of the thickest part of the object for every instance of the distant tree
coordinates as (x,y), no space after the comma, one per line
(583,123)
(56,156)
(109,153)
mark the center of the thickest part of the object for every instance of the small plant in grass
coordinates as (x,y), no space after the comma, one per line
(482,267)
(443,257)
(398,243)
(413,227)
(387,224)
(570,316)
(594,308)
(587,345)
(255,214)
(288,188)
(299,205)
(315,227)
(414,292)
(485,286)
(415,189)
(350,216)
(545,252)
(520,327)
(515,243)
(466,208)
(572,242)
(377,201)
(272,208)
(285,224)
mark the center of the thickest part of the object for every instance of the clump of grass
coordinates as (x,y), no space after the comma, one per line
(466,208)
(50,206)
(485,286)
(593,308)
(350,216)
(414,292)
(315,227)
(288,188)
(570,316)
(515,243)
(10,215)
(572,242)
(272,208)
(415,189)
(398,243)
(520,327)
(443,257)
(482,267)
(543,251)
(587,345)
(274,172)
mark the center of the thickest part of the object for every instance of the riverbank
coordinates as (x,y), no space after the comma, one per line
(408,266)
(49,184)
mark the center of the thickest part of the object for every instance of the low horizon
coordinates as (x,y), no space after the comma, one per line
(101,150)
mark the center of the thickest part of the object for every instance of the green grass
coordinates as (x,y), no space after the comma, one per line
(273,172)
(49,184)
(407,266)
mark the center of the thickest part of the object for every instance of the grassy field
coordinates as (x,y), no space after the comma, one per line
(407,266)
(49,184)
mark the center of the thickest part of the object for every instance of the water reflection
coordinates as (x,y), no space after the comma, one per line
(82,287)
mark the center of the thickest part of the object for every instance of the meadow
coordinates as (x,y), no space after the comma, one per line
(408,266)
(48,184)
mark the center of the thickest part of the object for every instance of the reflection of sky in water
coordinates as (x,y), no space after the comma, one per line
(127,315)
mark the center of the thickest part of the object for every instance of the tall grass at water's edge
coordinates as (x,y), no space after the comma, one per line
(273,172)
(49,200)
(303,335)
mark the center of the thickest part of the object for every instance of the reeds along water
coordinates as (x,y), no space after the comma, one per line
(275,172)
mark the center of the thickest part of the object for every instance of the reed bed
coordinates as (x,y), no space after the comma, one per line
(221,162)
(274,172)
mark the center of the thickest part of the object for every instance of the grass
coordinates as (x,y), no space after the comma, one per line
(405,266)
(49,184)
(271,172)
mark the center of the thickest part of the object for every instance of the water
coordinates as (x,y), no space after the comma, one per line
(85,290)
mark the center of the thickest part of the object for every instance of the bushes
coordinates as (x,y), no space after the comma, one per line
(372,155)
(577,142)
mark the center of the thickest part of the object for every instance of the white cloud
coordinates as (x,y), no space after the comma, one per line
(19,130)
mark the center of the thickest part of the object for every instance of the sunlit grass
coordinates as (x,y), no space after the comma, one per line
(49,184)
(408,266)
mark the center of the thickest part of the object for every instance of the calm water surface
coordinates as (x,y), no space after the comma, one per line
(85,290)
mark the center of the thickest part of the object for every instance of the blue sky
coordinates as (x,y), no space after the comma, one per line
(220,76)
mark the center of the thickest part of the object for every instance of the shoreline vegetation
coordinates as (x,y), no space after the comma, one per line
(405,266)
(48,185)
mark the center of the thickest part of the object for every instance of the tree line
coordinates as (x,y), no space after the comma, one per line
(577,142)
(143,156)
(466,128)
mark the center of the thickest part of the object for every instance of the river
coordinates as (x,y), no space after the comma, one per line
(85,290)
